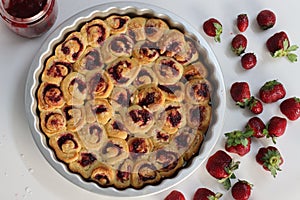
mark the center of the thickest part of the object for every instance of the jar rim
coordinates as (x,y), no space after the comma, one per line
(7,17)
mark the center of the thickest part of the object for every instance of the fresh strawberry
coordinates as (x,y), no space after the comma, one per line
(241,190)
(279,46)
(255,105)
(270,158)
(240,93)
(175,195)
(272,91)
(257,126)
(206,194)
(242,22)
(276,127)
(266,19)
(248,61)
(291,108)
(213,28)
(239,44)
(221,166)
(238,142)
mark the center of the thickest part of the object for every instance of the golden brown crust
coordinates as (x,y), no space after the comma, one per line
(124,101)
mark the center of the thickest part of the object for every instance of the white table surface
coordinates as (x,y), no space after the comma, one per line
(25,174)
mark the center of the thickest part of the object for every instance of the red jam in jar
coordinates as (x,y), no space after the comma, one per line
(29,18)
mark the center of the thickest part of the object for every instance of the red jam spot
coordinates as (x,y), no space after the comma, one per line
(138,146)
(97,83)
(53,93)
(201,90)
(64,138)
(101,31)
(121,22)
(140,115)
(56,69)
(116,71)
(87,159)
(162,136)
(174,118)
(25,8)
(149,99)
(81,85)
(101,178)
(123,175)
(66,50)
(55,122)
(149,50)
(66,110)
(100,109)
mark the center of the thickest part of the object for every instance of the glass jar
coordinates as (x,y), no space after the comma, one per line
(29,18)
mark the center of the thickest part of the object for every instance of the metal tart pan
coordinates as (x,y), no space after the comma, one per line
(134,9)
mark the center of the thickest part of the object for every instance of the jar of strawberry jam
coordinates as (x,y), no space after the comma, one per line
(29,18)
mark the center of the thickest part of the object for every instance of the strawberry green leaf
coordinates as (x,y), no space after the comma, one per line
(286,44)
(238,137)
(293,48)
(219,31)
(272,161)
(292,57)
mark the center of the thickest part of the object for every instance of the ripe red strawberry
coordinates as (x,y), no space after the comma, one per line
(270,158)
(238,142)
(266,19)
(276,127)
(279,46)
(241,190)
(242,22)
(272,91)
(240,93)
(175,195)
(221,166)
(255,105)
(206,194)
(291,108)
(257,126)
(248,61)
(213,28)
(239,44)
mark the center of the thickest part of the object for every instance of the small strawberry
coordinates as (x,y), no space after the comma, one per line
(248,61)
(272,91)
(242,22)
(270,158)
(276,127)
(213,28)
(175,195)
(240,93)
(239,44)
(266,19)
(238,142)
(291,108)
(241,190)
(255,105)
(258,127)
(206,194)
(279,46)
(221,166)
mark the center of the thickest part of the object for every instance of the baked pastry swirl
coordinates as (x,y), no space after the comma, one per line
(124,101)
(96,32)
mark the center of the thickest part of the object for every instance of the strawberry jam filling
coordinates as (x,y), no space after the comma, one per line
(121,44)
(142,116)
(81,85)
(66,137)
(97,131)
(168,67)
(167,159)
(116,71)
(59,69)
(25,8)
(52,94)
(92,60)
(66,50)
(101,32)
(87,159)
